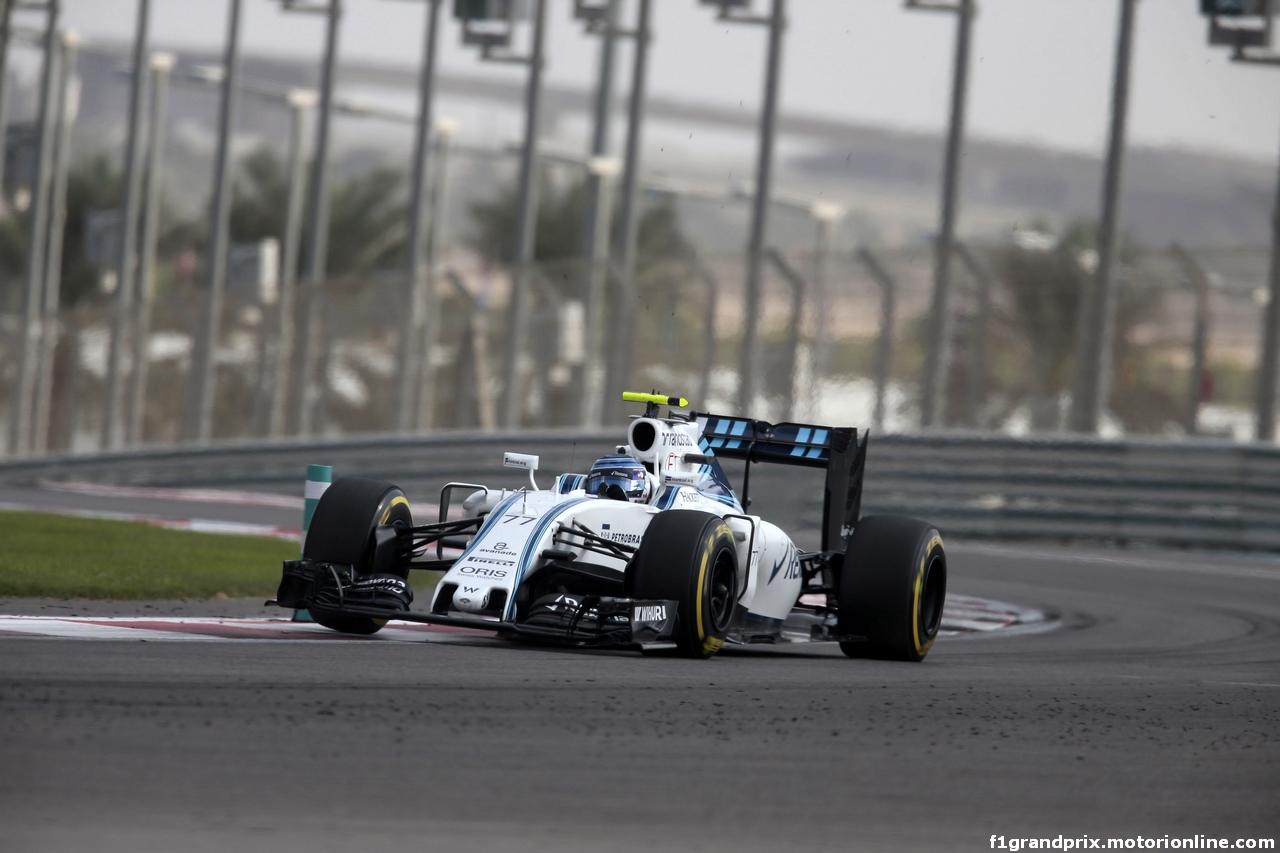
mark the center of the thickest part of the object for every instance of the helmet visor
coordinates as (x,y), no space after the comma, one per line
(629,480)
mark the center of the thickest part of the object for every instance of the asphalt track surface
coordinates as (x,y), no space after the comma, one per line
(1153,709)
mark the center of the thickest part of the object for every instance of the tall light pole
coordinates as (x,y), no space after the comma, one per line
(1265,395)
(6,32)
(1091,376)
(57,230)
(602,20)
(198,425)
(527,205)
(112,430)
(301,103)
(420,292)
(750,358)
(937,366)
(37,242)
(602,172)
(306,392)
(161,67)
(623,302)
(1245,26)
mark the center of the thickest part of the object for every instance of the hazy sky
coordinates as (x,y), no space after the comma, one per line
(1042,68)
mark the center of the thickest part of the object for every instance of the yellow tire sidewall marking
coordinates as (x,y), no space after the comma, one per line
(398,500)
(710,645)
(702,576)
(918,588)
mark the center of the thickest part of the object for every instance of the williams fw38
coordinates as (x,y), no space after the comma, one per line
(650,549)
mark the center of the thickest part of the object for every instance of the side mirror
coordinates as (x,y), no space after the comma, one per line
(522,460)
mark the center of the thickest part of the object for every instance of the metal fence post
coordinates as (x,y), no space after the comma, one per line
(884,342)
(1199,335)
(978,370)
(435,245)
(792,351)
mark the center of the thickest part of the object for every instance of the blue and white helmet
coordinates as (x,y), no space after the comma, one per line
(619,477)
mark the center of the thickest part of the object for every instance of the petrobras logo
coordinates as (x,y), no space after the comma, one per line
(623,538)
(650,613)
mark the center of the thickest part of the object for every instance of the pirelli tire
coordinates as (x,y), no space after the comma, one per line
(892,588)
(341,531)
(689,557)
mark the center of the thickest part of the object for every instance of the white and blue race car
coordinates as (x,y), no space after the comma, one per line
(652,548)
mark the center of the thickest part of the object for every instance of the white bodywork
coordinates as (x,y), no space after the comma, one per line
(521,526)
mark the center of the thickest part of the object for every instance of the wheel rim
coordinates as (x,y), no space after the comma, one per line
(720,590)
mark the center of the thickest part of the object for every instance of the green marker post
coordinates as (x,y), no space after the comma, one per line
(318,479)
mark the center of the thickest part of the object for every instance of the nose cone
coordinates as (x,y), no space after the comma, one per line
(471,599)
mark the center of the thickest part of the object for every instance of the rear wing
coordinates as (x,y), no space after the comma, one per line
(835,449)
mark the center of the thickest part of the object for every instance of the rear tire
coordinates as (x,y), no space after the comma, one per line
(892,588)
(689,557)
(341,531)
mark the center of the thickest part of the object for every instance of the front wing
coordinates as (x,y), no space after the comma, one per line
(563,619)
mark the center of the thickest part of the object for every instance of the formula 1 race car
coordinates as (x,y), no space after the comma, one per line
(650,549)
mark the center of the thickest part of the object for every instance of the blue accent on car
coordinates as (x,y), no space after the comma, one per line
(531,548)
(570,483)
(777,567)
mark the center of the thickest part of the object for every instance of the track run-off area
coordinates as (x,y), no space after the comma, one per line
(1147,703)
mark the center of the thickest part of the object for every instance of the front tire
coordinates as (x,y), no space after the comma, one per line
(689,557)
(892,588)
(341,531)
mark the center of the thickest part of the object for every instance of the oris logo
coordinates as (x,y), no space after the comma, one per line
(482,572)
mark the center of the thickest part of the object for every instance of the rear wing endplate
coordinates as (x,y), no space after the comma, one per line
(835,449)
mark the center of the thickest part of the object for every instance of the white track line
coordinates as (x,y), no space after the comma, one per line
(197,629)
(205,496)
(963,615)
(199,525)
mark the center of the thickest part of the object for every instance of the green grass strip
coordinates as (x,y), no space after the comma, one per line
(55,556)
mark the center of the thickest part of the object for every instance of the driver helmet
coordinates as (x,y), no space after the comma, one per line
(619,477)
